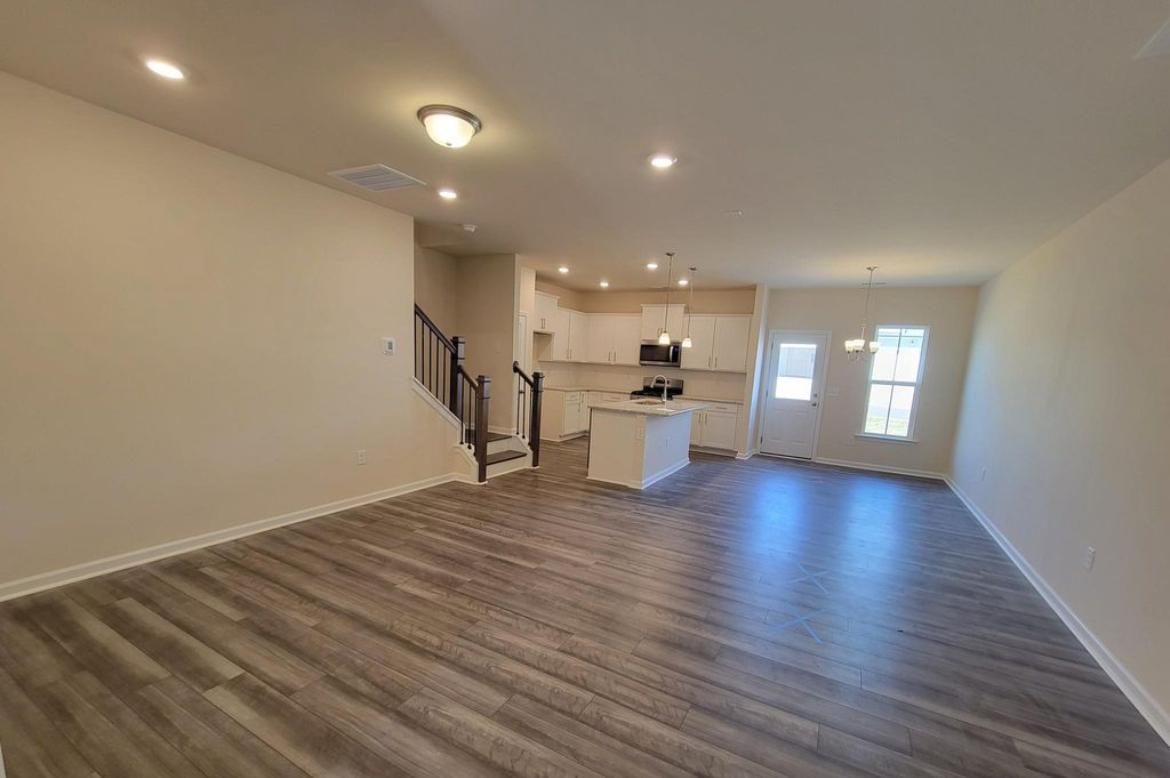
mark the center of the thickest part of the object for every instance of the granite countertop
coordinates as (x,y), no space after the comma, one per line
(619,391)
(650,407)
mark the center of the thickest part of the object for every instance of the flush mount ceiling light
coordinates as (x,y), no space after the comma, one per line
(651,265)
(168,70)
(448,193)
(562,270)
(449,126)
(604,284)
(858,348)
(663,161)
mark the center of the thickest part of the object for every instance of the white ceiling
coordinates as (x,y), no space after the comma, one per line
(938,140)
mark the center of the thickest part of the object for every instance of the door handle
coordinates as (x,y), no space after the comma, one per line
(813,403)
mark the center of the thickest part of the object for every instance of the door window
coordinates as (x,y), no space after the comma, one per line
(794,371)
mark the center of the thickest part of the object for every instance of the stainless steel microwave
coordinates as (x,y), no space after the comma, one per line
(660,356)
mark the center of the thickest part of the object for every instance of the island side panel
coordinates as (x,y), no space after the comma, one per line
(667,446)
(616,446)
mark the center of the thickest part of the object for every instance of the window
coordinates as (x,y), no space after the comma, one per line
(794,372)
(894,378)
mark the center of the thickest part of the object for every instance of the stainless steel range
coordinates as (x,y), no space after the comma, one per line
(652,388)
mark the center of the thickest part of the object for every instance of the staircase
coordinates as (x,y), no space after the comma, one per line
(439,369)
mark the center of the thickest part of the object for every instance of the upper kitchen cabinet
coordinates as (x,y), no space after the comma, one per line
(578,337)
(614,338)
(653,317)
(702,332)
(545,311)
(731,342)
(718,343)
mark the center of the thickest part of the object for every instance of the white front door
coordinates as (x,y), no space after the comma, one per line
(794,386)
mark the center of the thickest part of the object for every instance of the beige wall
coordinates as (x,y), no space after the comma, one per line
(435,276)
(190,341)
(948,311)
(619,301)
(1067,406)
(486,288)
(569,298)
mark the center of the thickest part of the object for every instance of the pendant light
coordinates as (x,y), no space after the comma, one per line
(664,336)
(858,348)
(690,310)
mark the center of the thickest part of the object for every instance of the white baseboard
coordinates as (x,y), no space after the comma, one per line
(880,468)
(110,564)
(1146,705)
(654,478)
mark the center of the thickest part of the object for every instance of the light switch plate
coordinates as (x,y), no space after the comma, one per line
(389,346)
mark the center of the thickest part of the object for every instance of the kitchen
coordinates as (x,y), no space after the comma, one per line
(602,347)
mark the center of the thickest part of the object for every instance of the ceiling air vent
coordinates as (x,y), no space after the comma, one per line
(376,178)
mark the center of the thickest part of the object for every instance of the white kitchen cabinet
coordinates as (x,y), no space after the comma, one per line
(578,337)
(627,343)
(614,338)
(702,332)
(565,414)
(546,311)
(731,341)
(558,326)
(718,343)
(653,317)
(715,426)
(600,338)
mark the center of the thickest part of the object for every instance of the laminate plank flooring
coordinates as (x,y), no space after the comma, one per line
(755,618)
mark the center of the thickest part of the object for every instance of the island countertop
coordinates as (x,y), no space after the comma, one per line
(651,407)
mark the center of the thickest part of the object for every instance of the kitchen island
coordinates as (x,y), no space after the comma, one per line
(638,442)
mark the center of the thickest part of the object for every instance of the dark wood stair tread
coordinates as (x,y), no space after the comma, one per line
(491,436)
(504,456)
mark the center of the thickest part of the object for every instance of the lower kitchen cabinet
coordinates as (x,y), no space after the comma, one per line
(564,414)
(714,426)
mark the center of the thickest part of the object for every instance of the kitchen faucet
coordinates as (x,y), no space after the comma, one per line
(664,383)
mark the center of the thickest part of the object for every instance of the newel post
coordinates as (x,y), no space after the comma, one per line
(481,425)
(534,431)
(455,401)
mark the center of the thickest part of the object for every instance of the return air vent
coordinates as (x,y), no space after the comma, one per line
(376,178)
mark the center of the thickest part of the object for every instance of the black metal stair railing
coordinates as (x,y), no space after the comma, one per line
(438,366)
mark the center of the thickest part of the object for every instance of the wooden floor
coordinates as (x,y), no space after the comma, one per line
(740,618)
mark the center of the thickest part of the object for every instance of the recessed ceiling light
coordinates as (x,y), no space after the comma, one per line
(562,270)
(651,265)
(160,67)
(449,126)
(683,282)
(604,284)
(663,161)
(448,194)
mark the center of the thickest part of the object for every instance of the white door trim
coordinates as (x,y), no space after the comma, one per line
(819,379)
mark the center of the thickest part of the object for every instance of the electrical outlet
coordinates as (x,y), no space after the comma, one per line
(983,474)
(1090,557)
(361,456)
